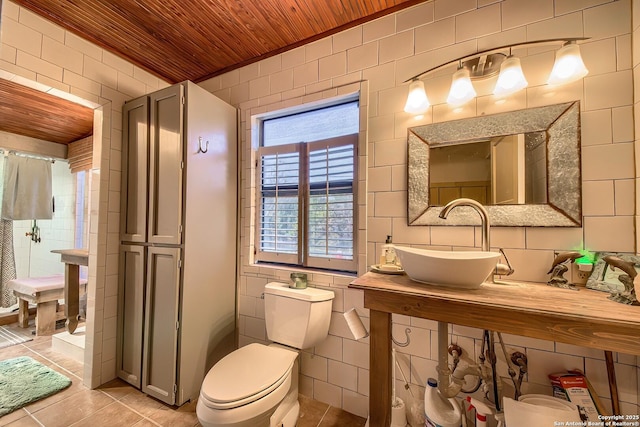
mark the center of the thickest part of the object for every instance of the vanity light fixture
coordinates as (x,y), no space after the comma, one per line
(511,78)
(417,101)
(568,67)
(462,90)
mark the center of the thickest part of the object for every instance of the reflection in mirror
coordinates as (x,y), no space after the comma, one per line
(524,166)
(502,170)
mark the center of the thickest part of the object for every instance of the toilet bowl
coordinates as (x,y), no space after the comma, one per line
(257,385)
(246,387)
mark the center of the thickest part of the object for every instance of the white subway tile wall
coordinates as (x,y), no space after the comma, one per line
(386,52)
(383,53)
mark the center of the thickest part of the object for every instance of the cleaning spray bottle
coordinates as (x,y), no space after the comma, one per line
(481,411)
(438,410)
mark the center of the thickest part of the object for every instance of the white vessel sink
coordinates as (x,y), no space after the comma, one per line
(459,269)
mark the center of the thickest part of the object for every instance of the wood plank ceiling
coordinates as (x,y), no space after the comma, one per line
(36,114)
(179,40)
(196,39)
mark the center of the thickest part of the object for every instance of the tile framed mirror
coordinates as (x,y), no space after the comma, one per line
(523,165)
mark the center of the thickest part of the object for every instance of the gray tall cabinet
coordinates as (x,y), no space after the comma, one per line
(177,267)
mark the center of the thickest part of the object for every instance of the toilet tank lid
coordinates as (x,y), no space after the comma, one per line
(307,294)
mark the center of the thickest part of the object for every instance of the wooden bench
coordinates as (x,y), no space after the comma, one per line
(45,293)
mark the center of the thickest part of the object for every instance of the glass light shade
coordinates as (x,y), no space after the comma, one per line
(568,66)
(511,78)
(462,90)
(417,101)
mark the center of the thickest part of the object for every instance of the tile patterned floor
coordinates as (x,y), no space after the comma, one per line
(118,404)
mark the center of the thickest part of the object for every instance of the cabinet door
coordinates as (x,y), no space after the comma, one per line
(166,164)
(135,168)
(131,288)
(161,324)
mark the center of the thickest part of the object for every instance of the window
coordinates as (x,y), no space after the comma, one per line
(79,241)
(306,188)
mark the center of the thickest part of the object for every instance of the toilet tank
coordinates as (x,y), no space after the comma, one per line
(298,318)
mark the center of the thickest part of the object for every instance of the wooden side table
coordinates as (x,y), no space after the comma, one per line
(73,259)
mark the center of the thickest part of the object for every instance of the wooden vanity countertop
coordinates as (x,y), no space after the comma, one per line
(584,317)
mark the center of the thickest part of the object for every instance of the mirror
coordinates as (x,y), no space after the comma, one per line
(524,166)
(502,170)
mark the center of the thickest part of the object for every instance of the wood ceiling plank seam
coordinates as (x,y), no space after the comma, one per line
(277,28)
(177,31)
(265,36)
(53,126)
(23,117)
(350,10)
(299,16)
(35,110)
(375,6)
(311,18)
(233,32)
(334,10)
(204,42)
(41,133)
(201,25)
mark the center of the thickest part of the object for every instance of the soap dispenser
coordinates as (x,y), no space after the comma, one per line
(388,253)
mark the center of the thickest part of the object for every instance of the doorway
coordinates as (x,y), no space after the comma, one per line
(78,201)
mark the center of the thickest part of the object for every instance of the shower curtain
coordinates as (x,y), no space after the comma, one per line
(7,263)
(26,188)
(7,258)
(25,194)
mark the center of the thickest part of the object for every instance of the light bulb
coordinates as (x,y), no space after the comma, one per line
(417,101)
(569,66)
(462,90)
(511,78)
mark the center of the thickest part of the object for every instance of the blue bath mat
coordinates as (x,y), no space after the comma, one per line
(23,380)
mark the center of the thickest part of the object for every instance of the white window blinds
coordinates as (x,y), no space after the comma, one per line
(306,185)
(279,206)
(331,202)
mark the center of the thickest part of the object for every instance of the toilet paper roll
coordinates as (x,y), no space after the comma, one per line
(536,410)
(398,414)
(355,324)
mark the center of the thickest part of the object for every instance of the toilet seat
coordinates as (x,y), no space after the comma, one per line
(246,375)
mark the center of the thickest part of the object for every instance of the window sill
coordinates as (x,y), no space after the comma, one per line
(310,271)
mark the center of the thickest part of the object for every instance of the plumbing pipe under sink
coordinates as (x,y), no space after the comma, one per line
(451,383)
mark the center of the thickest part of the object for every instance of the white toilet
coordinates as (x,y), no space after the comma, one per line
(257,385)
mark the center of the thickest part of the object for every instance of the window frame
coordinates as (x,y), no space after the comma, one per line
(302,259)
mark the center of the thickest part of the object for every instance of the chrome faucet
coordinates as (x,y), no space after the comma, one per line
(486,245)
(484,216)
